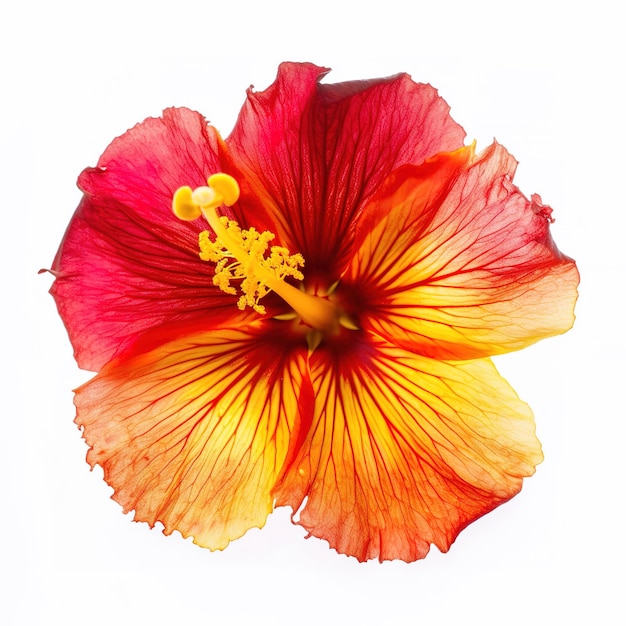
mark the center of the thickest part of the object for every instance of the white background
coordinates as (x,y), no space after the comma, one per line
(545,78)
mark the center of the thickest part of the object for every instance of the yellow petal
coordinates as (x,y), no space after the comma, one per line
(192,430)
(405,451)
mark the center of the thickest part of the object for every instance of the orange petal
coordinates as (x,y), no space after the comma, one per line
(193,426)
(461,265)
(405,451)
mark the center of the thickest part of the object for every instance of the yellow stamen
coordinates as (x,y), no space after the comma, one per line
(243,255)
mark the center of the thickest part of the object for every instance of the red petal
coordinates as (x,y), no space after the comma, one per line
(315,153)
(126,263)
(452,261)
(142,168)
(193,425)
(405,451)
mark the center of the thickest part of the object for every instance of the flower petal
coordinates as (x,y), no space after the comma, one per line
(142,168)
(193,425)
(460,265)
(126,264)
(314,153)
(405,451)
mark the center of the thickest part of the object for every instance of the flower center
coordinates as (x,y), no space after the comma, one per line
(243,255)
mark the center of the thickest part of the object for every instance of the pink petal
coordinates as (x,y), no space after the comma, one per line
(126,264)
(314,153)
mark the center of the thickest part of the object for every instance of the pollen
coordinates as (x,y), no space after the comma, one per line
(246,256)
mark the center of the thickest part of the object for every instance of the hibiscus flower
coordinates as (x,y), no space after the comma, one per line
(312,326)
